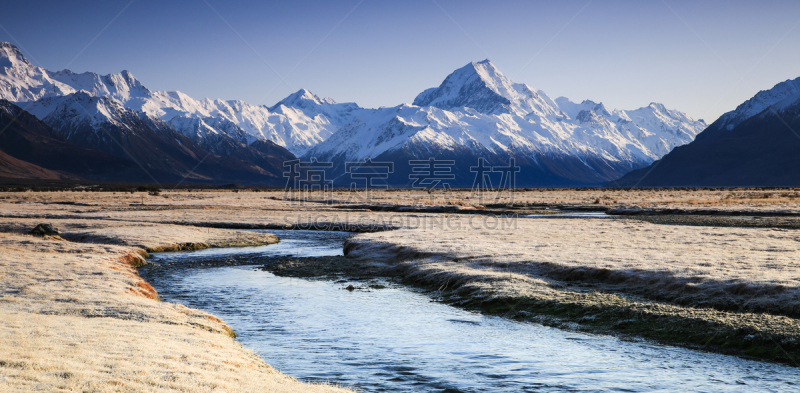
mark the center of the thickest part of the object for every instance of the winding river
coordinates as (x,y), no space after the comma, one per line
(395,339)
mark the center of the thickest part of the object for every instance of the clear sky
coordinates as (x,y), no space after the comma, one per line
(701,57)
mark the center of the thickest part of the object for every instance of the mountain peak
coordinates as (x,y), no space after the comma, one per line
(302,99)
(24,82)
(304,94)
(487,69)
(11,57)
(128,76)
(481,86)
(778,97)
(658,107)
(81,107)
(478,85)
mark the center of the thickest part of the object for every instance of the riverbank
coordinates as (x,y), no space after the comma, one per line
(574,305)
(732,290)
(148,237)
(725,283)
(77,316)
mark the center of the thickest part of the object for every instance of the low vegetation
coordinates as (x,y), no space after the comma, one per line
(714,268)
(77,317)
(673,283)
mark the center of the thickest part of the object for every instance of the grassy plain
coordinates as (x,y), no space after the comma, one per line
(76,316)
(715,269)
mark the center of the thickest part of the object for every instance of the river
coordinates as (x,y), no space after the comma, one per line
(396,339)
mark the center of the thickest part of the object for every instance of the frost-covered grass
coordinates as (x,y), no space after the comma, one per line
(77,317)
(147,236)
(728,286)
(734,290)
(739,269)
(183,204)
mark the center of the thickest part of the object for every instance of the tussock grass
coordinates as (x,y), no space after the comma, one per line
(732,288)
(662,281)
(77,317)
(149,237)
(748,269)
(269,206)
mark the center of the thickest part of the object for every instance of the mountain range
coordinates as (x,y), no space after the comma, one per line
(756,144)
(476,113)
(85,114)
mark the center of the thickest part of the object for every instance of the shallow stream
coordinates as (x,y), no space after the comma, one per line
(397,340)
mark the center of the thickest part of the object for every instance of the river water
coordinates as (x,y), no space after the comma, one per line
(572,214)
(396,339)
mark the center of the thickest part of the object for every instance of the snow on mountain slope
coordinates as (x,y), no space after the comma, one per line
(160,152)
(751,146)
(296,128)
(121,87)
(778,97)
(476,111)
(297,123)
(214,134)
(483,87)
(477,108)
(21,81)
(85,113)
(658,129)
(506,134)
(304,119)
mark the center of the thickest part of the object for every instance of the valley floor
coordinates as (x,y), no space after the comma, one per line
(76,315)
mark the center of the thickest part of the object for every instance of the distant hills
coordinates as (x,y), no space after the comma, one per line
(476,113)
(757,144)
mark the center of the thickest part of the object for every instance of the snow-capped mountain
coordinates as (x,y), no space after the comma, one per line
(478,112)
(297,123)
(777,98)
(217,135)
(103,124)
(87,118)
(481,86)
(752,145)
(20,81)
(34,146)
(295,127)
(303,120)
(658,129)
(118,115)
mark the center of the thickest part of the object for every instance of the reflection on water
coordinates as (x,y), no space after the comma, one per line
(396,339)
(293,243)
(570,214)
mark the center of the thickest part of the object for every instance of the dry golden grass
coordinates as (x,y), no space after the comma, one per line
(147,236)
(171,202)
(728,272)
(77,317)
(734,290)
(729,268)
(737,267)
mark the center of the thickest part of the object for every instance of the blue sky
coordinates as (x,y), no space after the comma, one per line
(701,57)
